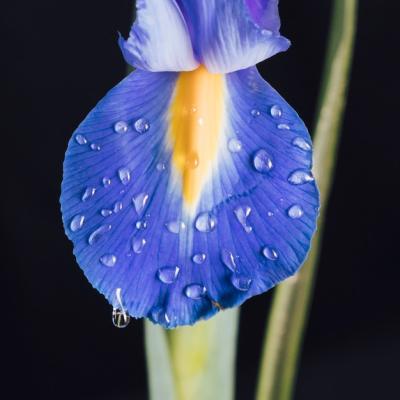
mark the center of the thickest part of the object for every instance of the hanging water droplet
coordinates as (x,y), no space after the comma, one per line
(300,177)
(195,291)
(206,222)
(124,175)
(270,253)
(106,182)
(199,258)
(241,282)
(80,139)
(234,145)
(141,225)
(175,226)
(118,206)
(88,193)
(295,211)
(192,161)
(262,161)
(140,201)
(138,245)
(255,113)
(98,234)
(266,32)
(242,213)
(105,212)
(168,275)
(283,127)
(120,318)
(120,127)
(301,143)
(159,316)
(161,167)
(77,223)
(109,260)
(95,147)
(229,259)
(275,111)
(142,125)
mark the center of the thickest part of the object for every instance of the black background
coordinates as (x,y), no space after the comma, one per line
(58,59)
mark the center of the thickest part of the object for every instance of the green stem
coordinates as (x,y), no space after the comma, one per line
(292,298)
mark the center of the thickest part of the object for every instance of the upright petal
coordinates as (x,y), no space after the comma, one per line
(159,39)
(229,35)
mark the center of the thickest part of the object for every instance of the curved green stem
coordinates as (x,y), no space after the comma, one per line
(292,299)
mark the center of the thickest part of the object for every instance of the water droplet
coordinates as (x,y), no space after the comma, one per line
(118,206)
(301,143)
(241,282)
(95,147)
(206,222)
(98,234)
(295,211)
(262,161)
(234,145)
(106,182)
(300,177)
(195,291)
(242,213)
(124,175)
(88,193)
(120,317)
(283,127)
(270,253)
(105,212)
(141,225)
(138,245)
(168,275)
(275,111)
(175,226)
(80,139)
(192,161)
(199,258)
(159,316)
(120,127)
(229,259)
(161,167)
(270,214)
(109,260)
(142,125)
(77,223)
(200,121)
(140,201)
(255,113)
(266,32)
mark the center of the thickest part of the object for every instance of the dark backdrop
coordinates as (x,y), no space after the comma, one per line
(58,59)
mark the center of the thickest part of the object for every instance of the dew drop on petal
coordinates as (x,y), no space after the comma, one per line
(168,275)
(241,282)
(255,113)
(205,222)
(124,175)
(118,206)
(262,161)
(192,161)
(234,145)
(283,127)
(138,245)
(270,214)
(270,253)
(300,177)
(80,139)
(98,234)
(77,223)
(229,259)
(266,32)
(175,226)
(159,316)
(199,258)
(140,201)
(109,260)
(106,181)
(161,167)
(142,125)
(195,291)
(301,143)
(88,193)
(295,211)
(141,225)
(242,213)
(275,111)
(95,147)
(120,127)
(105,212)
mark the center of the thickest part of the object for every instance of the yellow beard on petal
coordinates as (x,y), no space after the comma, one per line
(196,119)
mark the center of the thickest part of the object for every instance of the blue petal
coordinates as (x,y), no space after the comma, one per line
(159,39)
(229,35)
(122,207)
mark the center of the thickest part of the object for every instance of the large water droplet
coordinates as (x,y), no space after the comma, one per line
(105,212)
(270,253)
(140,201)
(234,145)
(138,245)
(120,317)
(242,213)
(206,222)
(283,127)
(295,211)
(88,193)
(95,147)
(275,111)
(262,161)
(106,181)
(241,282)
(142,125)
(301,143)
(168,275)
(199,258)
(109,260)
(300,177)
(80,139)
(229,259)
(77,223)
(121,127)
(124,175)
(195,291)
(118,206)
(255,113)
(98,234)
(175,226)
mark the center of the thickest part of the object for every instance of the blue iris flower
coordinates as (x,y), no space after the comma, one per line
(188,189)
